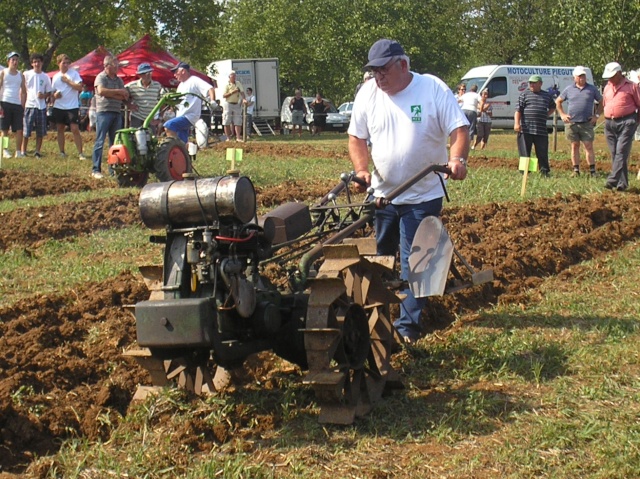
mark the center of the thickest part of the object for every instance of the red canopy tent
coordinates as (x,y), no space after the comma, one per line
(146,50)
(143,51)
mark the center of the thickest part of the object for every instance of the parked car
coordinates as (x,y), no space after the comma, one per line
(336,121)
(346,108)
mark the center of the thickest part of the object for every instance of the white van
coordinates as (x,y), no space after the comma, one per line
(506,82)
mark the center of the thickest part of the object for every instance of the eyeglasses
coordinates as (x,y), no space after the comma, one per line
(384,70)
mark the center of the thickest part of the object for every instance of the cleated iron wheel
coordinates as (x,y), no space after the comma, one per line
(192,370)
(349,336)
(172,160)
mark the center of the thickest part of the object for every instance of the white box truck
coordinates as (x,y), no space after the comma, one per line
(260,74)
(506,82)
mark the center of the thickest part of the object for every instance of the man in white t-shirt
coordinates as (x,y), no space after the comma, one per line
(190,108)
(38,92)
(469,104)
(67,85)
(409,118)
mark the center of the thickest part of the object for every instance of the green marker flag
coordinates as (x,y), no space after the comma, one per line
(5,142)
(234,154)
(525,161)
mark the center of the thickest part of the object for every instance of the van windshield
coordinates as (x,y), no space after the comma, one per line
(469,82)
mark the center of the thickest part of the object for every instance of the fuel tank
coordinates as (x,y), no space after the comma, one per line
(193,202)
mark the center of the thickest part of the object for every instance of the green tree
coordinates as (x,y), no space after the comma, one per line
(324,44)
(50,26)
(597,32)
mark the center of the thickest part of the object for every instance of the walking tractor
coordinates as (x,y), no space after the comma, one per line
(136,152)
(212,303)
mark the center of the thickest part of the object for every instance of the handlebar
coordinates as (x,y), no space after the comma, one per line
(315,252)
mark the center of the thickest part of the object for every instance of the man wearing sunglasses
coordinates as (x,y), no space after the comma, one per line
(408,118)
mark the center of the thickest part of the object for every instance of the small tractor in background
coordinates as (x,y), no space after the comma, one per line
(212,303)
(137,152)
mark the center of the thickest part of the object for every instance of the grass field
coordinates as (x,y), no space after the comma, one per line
(541,380)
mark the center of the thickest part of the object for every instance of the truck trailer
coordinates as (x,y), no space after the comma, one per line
(260,74)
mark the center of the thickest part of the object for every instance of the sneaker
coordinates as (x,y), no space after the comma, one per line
(37,154)
(19,154)
(6,153)
(545,173)
(575,174)
(63,154)
(97,175)
(593,174)
(82,157)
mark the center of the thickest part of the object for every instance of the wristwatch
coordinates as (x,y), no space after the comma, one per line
(461,160)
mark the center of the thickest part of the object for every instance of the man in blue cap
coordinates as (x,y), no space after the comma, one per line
(144,94)
(190,108)
(534,107)
(408,118)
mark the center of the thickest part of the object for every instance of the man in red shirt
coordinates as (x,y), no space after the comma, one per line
(621,110)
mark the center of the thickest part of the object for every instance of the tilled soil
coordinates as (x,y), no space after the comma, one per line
(60,378)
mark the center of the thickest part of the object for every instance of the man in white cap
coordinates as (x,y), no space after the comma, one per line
(144,94)
(409,118)
(621,110)
(14,97)
(580,118)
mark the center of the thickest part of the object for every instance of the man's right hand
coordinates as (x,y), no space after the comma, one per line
(365,176)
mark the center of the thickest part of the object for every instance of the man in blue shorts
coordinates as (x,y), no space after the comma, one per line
(190,107)
(38,92)
(580,119)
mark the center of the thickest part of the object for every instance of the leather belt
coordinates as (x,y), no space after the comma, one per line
(622,118)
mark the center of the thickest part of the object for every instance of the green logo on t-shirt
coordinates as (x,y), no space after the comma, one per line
(416,113)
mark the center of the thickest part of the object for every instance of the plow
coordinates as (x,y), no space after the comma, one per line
(212,305)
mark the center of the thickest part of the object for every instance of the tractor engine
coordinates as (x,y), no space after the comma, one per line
(210,301)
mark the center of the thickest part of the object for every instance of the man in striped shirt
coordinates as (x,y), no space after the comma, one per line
(144,95)
(534,107)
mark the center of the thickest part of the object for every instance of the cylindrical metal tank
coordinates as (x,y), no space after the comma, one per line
(190,202)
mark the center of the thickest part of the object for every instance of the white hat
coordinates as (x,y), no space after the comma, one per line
(579,70)
(611,69)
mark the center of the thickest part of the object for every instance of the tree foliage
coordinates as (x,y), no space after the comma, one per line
(597,32)
(323,44)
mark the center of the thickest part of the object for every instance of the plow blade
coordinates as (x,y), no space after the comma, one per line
(430,259)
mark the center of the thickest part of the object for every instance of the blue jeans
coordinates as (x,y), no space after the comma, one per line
(106,122)
(397,225)
(619,135)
